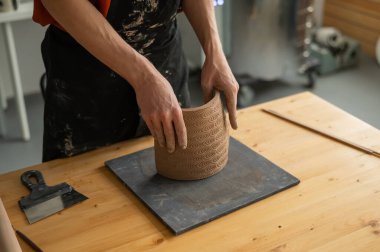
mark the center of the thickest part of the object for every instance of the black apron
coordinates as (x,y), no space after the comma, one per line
(87,104)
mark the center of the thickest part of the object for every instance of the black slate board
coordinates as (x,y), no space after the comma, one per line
(183,205)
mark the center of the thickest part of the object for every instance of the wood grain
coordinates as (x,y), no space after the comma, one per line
(334,208)
(322,132)
(359,19)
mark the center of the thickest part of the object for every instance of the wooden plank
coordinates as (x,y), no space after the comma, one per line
(357,33)
(353,18)
(357,19)
(366,39)
(366,7)
(368,50)
(335,207)
(323,133)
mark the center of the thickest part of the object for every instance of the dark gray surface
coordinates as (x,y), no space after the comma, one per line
(183,205)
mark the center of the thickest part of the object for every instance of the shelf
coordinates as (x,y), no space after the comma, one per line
(24,11)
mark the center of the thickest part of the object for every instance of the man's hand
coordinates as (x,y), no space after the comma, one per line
(216,74)
(161,111)
(158,104)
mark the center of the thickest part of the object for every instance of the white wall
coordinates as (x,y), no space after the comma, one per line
(28,36)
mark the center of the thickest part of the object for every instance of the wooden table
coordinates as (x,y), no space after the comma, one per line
(336,207)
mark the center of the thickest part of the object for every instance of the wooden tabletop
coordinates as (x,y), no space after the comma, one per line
(336,207)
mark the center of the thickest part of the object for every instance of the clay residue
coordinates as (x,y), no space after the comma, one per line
(160,198)
(136,23)
(153,4)
(134,33)
(156,25)
(68,141)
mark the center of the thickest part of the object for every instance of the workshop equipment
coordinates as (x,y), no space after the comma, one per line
(44,200)
(184,205)
(333,50)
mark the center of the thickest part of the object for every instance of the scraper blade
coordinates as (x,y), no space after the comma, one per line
(46,200)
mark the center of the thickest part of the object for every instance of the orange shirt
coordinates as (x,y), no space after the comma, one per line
(42,16)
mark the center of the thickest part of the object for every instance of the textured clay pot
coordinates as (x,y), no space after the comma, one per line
(207,144)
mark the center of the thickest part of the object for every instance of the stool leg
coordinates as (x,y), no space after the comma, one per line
(3,98)
(17,87)
(2,116)
(3,130)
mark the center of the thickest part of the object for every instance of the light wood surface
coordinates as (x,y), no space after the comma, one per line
(334,208)
(322,132)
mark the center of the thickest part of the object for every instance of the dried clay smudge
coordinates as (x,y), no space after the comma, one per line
(146,45)
(68,141)
(131,31)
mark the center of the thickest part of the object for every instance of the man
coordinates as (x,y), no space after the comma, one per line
(110,61)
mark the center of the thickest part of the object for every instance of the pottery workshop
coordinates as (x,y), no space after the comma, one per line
(182,125)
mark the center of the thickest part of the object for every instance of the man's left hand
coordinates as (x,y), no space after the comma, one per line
(216,74)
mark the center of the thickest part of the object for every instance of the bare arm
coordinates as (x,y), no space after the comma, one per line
(215,73)
(158,104)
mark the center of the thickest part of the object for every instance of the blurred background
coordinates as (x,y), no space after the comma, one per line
(274,47)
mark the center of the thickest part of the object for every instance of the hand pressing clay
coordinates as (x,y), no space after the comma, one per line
(207,144)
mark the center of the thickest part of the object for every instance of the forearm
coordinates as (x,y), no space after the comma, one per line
(158,104)
(216,74)
(90,29)
(201,16)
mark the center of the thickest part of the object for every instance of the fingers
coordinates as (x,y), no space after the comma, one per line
(165,129)
(169,134)
(231,97)
(207,92)
(150,127)
(158,131)
(180,129)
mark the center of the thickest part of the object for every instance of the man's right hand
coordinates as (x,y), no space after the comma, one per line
(161,111)
(155,96)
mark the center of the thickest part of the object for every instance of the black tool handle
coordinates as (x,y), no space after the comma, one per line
(26,180)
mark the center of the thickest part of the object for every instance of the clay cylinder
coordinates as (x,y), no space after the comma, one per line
(207,144)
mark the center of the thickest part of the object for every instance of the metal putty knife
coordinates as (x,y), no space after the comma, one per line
(44,200)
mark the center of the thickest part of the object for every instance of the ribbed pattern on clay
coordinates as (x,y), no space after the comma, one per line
(207,148)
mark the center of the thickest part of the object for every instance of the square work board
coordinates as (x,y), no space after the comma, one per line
(182,205)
